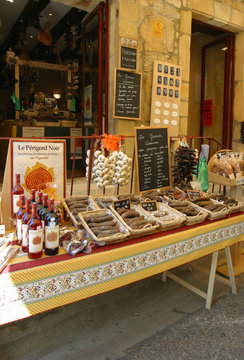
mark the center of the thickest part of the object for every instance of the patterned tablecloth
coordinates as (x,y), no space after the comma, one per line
(29,287)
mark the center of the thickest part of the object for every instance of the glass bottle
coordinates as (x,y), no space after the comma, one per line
(19,217)
(25,219)
(33,195)
(51,230)
(39,202)
(17,191)
(35,242)
(42,214)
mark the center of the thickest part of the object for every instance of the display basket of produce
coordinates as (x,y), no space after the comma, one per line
(165,216)
(136,220)
(214,209)
(46,123)
(193,214)
(104,226)
(68,123)
(75,204)
(134,199)
(233,204)
(103,201)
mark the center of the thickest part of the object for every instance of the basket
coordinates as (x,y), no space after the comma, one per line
(232,208)
(214,215)
(147,229)
(95,197)
(191,220)
(121,236)
(170,224)
(92,206)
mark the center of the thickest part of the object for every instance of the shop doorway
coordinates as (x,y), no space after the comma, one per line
(211,83)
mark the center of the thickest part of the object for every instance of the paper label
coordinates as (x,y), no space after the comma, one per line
(24,235)
(51,236)
(2,229)
(35,241)
(19,229)
(16,204)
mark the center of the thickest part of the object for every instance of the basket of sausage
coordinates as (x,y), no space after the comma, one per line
(192,213)
(135,220)
(76,204)
(232,204)
(166,217)
(104,226)
(214,209)
(104,201)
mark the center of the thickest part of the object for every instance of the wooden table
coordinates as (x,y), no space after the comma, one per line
(29,287)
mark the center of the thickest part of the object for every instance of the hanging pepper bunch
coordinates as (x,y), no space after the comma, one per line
(185,166)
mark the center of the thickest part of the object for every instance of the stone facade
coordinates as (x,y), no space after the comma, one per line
(135,18)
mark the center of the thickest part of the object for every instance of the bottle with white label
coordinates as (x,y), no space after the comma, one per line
(35,241)
(25,219)
(17,191)
(19,217)
(51,230)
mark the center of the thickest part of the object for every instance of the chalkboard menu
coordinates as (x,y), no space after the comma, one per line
(194,194)
(149,205)
(122,204)
(152,158)
(128,57)
(127,97)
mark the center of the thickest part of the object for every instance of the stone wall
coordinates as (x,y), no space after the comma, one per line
(135,19)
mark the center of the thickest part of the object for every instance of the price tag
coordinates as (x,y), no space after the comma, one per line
(193,194)
(2,229)
(122,204)
(240,180)
(149,205)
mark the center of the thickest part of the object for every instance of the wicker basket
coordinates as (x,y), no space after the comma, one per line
(92,206)
(167,225)
(191,220)
(121,236)
(95,197)
(214,215)
(146,229)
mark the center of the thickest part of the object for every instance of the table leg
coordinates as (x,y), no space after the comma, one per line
(211,280)
(164,276)
(230,270)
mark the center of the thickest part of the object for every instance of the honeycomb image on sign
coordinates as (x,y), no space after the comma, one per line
(38,177)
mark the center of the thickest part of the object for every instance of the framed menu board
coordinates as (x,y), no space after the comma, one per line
(152,158)
(127,95)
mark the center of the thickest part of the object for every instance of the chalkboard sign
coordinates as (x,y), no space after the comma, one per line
(149,205)
(193,194)
(152,158)
(128,57)
(122,204)
(127,97)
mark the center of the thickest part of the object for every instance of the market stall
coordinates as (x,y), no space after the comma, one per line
(106,241)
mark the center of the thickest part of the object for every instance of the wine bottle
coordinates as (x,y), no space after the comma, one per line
(33,195)
(17,191)
(51,230)
(35,242)
(25,219)
(19,217)
(44,211)
(39,202)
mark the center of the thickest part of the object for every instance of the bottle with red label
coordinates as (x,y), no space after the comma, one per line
(35,234)
(25,219)
(39,202)
(33,195)
(17,191)
(51,230)
(19,216)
